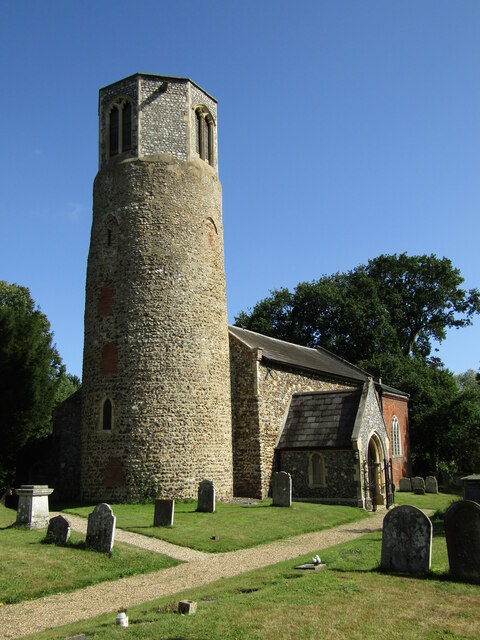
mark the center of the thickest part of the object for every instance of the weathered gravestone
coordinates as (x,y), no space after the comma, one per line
(32,510)
(101,528)
(462,531)
(418,485)
(405,484)
(206,497)
(164,509)
(431,484)
(471,487)
(282,489)
(406,541)
(58,530)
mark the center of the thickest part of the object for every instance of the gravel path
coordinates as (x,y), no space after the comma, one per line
(21,619)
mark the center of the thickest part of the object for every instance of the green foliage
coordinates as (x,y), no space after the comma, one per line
(235,526)
(67,385)
(396,304)
(30,374)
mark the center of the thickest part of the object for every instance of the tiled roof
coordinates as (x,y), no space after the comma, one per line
(287,353)
(321,419)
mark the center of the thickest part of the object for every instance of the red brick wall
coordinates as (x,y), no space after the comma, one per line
(398,406)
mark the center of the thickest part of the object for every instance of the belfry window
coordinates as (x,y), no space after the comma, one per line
(396,441)
(204,135)
(120,128)
(107,415)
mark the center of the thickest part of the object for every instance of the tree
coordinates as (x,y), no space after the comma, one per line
(396,304)
(30,373)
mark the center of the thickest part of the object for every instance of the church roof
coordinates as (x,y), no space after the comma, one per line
(321,419)
(295,355)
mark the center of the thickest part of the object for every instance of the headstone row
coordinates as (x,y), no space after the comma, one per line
(407,540)
(418,485)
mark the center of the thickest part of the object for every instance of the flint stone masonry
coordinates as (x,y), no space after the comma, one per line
(282,489)
(58,530)
(157,250)
(431,484)
(406,541)
(32,510)
(462,531)
(261,395)
(471,488)
(405,484)
(101,529)
(418,485)
(164,510)
(206,497)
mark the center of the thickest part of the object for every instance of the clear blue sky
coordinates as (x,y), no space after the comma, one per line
(347,129)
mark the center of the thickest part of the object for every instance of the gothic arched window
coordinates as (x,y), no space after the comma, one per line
(107,415)
(396,440)
(120,127)
(204,135)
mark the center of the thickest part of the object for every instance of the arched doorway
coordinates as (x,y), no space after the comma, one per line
(374,474)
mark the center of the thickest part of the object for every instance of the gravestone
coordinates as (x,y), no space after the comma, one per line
(282,489)
(405,484)
(462,531)
(58,530)
(431,484)
(471,488)
(163,516)
(32,510)
(418,485)
(101,528)
(187,607)
(406,541)
(206,497)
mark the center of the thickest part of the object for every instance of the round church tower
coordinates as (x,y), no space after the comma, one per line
(156,415)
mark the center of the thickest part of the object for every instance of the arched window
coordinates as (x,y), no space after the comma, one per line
(316,470)
(120,127)
(204,135)
(396,440)
(107,415)
(113,131)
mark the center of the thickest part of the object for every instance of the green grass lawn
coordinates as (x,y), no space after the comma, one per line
(434,501)
(31,569)
(234,526)
(350,599)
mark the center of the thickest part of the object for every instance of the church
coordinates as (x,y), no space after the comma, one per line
(171,395)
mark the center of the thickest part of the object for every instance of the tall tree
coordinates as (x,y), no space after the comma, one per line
(30,372)
(396,304)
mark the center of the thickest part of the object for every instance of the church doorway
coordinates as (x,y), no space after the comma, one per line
(373,469)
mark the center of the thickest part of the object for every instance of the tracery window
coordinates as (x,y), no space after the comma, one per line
(204,134)
(120,127)
(396,440)
(107,415)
